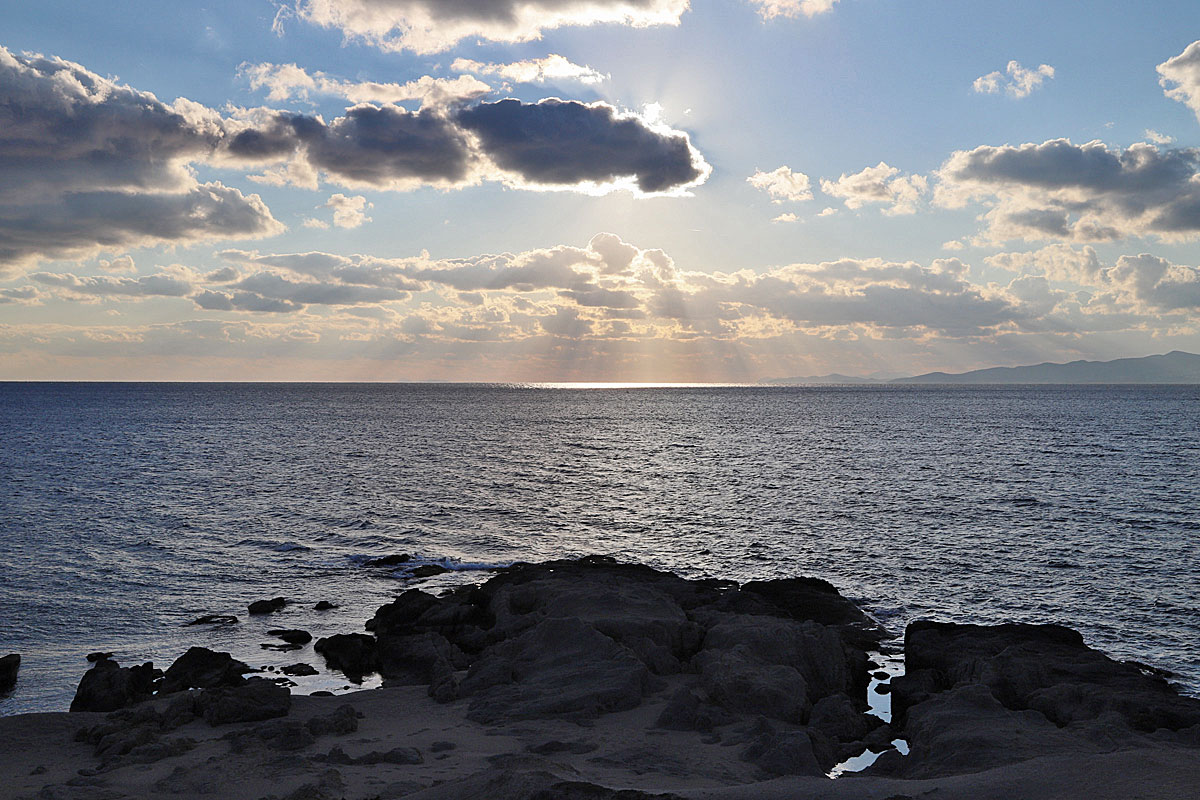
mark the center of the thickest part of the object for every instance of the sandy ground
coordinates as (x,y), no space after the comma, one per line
(463,759)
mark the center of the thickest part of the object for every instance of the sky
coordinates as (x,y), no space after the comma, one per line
(594,190)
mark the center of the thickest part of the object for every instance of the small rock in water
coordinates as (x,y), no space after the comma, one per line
(267,606)
(299,669)
(428,570)
(390,561)
(214,619)
(322,693)
(324,605)
(291,636)
(9,666)
(880,676)
(92,658)
(883,688)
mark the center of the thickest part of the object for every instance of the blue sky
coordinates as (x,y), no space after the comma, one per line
(939,186)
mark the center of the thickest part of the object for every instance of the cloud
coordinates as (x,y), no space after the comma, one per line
(1154,137)
(117,265)
(425,26)
(1144,283)
(782,184)
(1018,83)
(287,81)
(1180,77)
(566,143)
(348,212)
(770,9)
(788,217)
(537,70)
(163,284)
(1088,192)
(552,144)
(89,165)
(878,184)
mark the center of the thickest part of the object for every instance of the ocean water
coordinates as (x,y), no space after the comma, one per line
(127,510)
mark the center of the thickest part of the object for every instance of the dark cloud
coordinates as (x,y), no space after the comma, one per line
(88,164)
(562,143)
(1088,192)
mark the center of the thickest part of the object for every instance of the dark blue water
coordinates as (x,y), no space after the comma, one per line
(128,509)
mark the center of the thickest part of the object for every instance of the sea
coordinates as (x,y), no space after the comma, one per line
(129,509)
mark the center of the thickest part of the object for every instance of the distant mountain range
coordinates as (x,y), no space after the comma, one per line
(1174,367)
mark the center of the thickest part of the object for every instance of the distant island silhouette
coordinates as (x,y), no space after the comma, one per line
(1175,367)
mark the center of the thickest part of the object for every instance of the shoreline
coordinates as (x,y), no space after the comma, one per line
(580,678)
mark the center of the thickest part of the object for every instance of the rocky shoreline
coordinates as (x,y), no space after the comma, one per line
(596,679)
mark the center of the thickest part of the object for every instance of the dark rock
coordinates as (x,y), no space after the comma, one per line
(201,668)
(291,636)
(687,710)
(554,746)
(559,667)
(322,693)
(215,619)
(1043,667)
(420,658)
(441,746)
(299,669)
(880,675)
(744,685)
(285,735)
(267,606)
(818,601)
(107,686)
(339,722)
(787,753)
(389,561)
(883,688)
(837,717)
(402,614)
(92,658)
(254,700)
(397,755)
(324,605)
(10,665)
(355,654)
(428,570)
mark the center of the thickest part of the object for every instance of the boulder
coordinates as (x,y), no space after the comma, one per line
(299,669)
(267,606)
(291,635)
(428,570)
(355,654)
(837,717)
(201,668)
(742,684)
(1043,667)
(816,600)
(324,605)
(108,686)
(92,658)
(10,665)
(394,560)
(560,667)
(786,753)
(255,699)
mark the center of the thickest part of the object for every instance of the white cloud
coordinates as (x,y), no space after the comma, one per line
(1018,83)
(1154,137)
(117,265)
(878,184)
(287,81)
(430,27)
(1180,77)
(782,184)
(788,217)
(953,244)
(769,9)
(348,212)
(536,70)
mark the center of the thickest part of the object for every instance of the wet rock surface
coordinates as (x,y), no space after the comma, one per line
(10,665)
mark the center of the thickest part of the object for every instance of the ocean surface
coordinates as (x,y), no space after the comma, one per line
(127,510)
